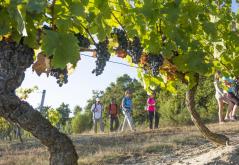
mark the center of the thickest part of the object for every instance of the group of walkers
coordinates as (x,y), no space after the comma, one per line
(126,106)
(226,93)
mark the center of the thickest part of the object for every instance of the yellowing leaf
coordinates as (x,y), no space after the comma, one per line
(42,65)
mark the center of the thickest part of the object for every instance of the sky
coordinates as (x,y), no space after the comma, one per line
(80,84)
(234,6)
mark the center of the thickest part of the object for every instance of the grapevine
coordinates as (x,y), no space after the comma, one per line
(121,38)
(135,50)
(155,62)
(83,41)
(102,55)
(60,74)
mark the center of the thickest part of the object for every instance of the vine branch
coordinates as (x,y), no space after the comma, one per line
(52,8)
(117,20)
(88,32)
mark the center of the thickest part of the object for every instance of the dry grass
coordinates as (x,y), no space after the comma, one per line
(164,145)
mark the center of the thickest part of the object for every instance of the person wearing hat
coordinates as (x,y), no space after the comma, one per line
(97,109)
(127,110)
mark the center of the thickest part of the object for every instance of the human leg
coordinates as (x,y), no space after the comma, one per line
(124,123)
(130,121)
(233,113)
(95,125)
(229,109)
(111,123)
(220,110)
(116,123)
(156,124)
(101,124)
(151,116)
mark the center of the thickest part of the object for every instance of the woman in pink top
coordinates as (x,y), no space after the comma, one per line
(151,107)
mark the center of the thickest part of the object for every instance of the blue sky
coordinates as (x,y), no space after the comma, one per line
(234,6)
(81,83)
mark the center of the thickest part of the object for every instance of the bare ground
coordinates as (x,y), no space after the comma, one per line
(173,145)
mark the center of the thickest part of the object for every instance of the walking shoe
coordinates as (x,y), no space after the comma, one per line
(233,118)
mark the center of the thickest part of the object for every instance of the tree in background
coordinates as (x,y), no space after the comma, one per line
(44,110)
(173,109)
(77,109)
(116,90)
(64,111)
(81,122)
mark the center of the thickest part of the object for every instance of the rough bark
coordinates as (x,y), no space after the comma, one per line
(14,59)
(214,137)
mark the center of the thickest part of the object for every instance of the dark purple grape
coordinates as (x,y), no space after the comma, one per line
(60,74)
(83,41)
(155,61)
(102,56)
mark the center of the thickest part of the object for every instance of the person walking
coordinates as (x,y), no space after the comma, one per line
(222,98)
(152,113)
(113,112)
(97,109)
(127,110)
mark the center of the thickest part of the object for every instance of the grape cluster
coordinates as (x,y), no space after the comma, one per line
(121,38)
(155,61)
(102,55)
(60,74)
(83,41)
(135,50)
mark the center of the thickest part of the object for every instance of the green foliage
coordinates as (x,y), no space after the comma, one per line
(116,90)
(23,93)
(64,112)
(53,116)
(77,109)
(190,27)
(174,111)
(44,110)
(63,46)
(172,108)
(5,128)
(82,122)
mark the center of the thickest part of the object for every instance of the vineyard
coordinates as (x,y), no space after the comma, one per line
(174,44)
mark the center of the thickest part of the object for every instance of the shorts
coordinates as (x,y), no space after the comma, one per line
(233,98)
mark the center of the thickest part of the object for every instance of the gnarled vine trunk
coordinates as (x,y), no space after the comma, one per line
(190,102)
(14,59)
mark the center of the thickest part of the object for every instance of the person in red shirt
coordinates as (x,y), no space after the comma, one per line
(151,107)
(113,112)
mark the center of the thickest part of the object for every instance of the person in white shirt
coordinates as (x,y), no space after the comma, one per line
(97,110)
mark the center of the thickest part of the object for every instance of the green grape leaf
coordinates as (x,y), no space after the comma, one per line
(5,24)
(191,80)
(36,7)
(63,24)
(193,61)
(170,86)
(77,8)
(17,20)
(63,46)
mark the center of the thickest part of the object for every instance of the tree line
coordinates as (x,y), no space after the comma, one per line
(172,108)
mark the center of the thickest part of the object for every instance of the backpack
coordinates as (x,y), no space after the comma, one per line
(113,111)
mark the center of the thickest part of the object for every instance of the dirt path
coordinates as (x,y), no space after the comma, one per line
(165,146)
